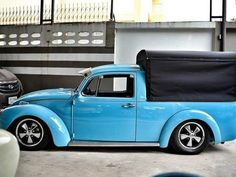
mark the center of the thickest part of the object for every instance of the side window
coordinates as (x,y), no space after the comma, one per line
(111,86)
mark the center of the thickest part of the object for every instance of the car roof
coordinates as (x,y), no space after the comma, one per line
(115,67)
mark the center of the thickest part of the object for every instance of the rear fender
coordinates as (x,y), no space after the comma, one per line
(185,115)
(59,132)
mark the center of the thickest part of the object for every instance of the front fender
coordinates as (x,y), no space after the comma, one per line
(60,134)
(182,116)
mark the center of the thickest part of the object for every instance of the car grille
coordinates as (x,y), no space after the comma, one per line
(9,87)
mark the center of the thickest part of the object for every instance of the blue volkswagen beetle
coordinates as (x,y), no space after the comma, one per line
(113,105)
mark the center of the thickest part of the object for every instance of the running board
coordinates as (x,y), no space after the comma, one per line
(110,144)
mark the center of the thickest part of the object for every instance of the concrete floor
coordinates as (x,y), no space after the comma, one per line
(216,161)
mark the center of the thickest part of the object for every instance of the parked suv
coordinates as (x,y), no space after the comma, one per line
(10,88)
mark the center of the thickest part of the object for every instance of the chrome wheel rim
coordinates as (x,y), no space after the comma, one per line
(191,135)
(29,132)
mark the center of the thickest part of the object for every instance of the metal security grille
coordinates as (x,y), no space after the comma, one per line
(20,12)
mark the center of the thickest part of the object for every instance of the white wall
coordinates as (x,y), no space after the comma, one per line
(129,42)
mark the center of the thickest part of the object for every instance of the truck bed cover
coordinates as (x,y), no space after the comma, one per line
(194,76)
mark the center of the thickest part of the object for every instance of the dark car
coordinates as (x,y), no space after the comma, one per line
(10,88)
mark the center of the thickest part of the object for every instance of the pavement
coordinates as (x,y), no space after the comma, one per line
(215,161)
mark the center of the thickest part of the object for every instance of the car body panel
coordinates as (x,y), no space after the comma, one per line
(49,94)
(59,131)
(101,120)
(57,100)
(156,121)
(185,115)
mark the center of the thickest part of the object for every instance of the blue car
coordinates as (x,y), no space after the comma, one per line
(121,105)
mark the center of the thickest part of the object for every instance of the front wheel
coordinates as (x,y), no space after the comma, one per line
(31,133)
(190,137)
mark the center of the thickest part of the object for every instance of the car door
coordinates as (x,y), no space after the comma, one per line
(105,109)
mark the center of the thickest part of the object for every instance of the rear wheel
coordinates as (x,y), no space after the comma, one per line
(31,133)
(190,137)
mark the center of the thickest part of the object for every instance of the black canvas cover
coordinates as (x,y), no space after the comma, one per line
(189,76)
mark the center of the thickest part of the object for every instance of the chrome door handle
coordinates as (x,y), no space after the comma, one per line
(129,105)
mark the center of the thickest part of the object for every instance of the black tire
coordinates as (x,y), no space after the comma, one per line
(31,133)
(190,137)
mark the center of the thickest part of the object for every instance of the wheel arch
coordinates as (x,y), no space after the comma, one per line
(189,115)
(59,132)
